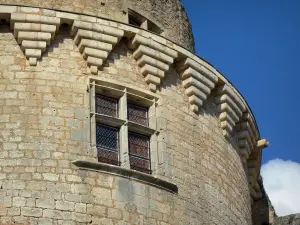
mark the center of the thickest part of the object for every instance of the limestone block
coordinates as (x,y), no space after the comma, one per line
(190,72)
(94,36)
(192,90)
(96,27)
(33,45)
(147,69)
(32,61)
(34,18)
(34,27)
(144,50)
(34,212)
(94,53)
(201,68)
(140,40)
(94,44)
(65,205)
(152,79)
(145,59)
(8,9)
(94,61)
(45,203)
(33,53)
(34,36)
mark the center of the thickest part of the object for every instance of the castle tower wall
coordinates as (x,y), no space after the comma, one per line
(203,138)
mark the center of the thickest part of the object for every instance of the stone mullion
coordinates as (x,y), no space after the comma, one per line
(92,115)
(161,158)
(123,133)
(153,138)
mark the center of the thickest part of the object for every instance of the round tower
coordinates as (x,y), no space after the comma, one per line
(108,117)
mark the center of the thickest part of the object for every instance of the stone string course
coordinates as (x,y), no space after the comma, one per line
(208,144)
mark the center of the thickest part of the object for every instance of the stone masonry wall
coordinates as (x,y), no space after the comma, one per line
(44,126)
(169,15)
(293,219)
(262,210)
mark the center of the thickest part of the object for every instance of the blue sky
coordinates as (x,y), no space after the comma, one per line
(256,45)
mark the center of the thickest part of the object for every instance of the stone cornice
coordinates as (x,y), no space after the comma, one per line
(127,173)
(96,37)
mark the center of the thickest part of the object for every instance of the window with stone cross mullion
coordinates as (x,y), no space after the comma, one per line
(122,115)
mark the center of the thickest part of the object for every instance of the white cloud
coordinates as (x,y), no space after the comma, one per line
(282,184)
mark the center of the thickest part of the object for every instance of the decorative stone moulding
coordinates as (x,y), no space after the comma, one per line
(95,42)
(253,176)
(34,33)
(153,58)
(253,168)
(230,107)
(247,135)
(198,82)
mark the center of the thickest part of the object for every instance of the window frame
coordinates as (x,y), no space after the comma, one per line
(125,94)
(137,20)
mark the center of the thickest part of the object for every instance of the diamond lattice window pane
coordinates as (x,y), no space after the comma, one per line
(138,145)
(107,140)
(139,164)
(106,106)
(139,152)
(107,156)
(107,137)
(137,114)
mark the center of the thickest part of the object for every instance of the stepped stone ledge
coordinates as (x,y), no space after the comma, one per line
(153,58)
(33,33)
(95,42)
(197,81)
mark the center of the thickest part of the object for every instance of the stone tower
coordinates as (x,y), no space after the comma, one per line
(107,116)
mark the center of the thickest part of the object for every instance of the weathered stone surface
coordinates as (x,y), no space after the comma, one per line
(45,125)
(293,219)
(170,16)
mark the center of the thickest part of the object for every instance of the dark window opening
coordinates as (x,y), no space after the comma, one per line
(135,19)
(137,114)
(107,142)
(138,20)
(154,28)
(106,106)
(139,152)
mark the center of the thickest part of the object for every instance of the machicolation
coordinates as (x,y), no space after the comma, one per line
(107,116)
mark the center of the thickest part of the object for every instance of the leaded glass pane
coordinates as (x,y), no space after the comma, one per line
(139,145)
(107,156)
(106,106)
(140,164)
(138,114)
(107,139)
(139,152)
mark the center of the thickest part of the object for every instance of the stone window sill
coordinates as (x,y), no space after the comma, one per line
(127,173)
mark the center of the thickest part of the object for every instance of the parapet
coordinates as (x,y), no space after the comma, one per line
(165,17)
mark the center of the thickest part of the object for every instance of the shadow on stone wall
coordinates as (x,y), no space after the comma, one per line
(293,219)
(263,212)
